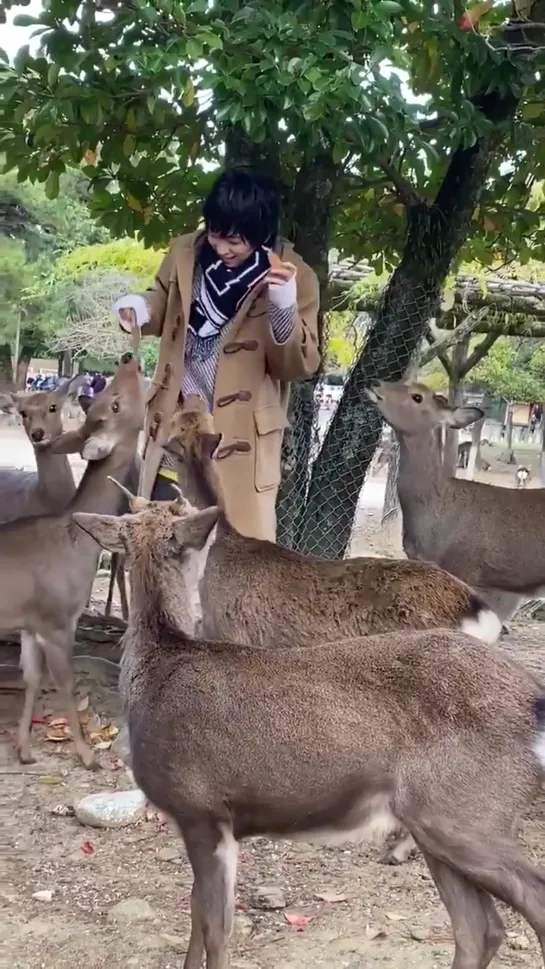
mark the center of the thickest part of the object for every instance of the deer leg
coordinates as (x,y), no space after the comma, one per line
(32,662)
(212,852)
(478,929)
(58,650)
(504,604)
(401,850)
(490,861)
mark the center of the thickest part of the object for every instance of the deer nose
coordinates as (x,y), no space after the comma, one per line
(38,434)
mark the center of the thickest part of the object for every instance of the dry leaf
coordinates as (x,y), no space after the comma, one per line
(299,922)
(330,897)
(436,934)
(44,896)
(51,779)
(373,932)
(58,722)
(103,745)
(38,720)
(62,811)
(519,942)
(88,848)
(420,935)
(83,705)
(395,917)
(110,731)
(58,735)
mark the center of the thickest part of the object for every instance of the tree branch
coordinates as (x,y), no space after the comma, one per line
(451,339)
(478,353)
(408,195)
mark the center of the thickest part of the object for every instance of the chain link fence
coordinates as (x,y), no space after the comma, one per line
(332,501)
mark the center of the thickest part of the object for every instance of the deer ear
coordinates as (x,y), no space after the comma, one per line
(69,386)
(9,401)
(71,442)
(192,532)
(107,530)
(463,416)
(210,444)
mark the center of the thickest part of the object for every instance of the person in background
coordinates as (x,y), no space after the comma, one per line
(236,311)
(98,383)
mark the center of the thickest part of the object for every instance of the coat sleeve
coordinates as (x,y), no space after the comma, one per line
(155,298)
(298,356)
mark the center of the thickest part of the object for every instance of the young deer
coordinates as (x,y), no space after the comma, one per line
(47,565)
(430,730)
(51,486)
(493,538)
(307,599)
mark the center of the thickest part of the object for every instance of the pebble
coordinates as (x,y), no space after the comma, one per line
(131,910)
(111,809)
(269,898)
(44,896)
(244,926)
(169,854)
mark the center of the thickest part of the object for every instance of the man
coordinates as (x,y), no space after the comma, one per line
(236,310)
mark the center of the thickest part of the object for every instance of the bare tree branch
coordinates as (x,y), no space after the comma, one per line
(478,353)
(408,195)
(88,325)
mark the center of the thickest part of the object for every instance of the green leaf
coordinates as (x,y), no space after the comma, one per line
(211,40)
(52,185)
(53,74)
(531,111)
(25,20)
(129,145)
(388,7)
(21,58)
(193,49)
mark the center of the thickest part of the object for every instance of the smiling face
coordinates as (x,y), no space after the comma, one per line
(233,250)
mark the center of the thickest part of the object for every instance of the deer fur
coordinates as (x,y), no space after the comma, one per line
(493,538)
(307,600)
(429,730)
(47,565)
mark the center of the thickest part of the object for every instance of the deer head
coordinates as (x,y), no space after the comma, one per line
(414,409)
(40,410)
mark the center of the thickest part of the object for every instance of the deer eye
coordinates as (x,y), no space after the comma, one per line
(23,414)
(53,409)
(115,406)
(417,398)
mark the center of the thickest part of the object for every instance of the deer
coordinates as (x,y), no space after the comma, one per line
(522,476)
(430,730)
(493,538)
(51,486)
(307,599)
(47,564)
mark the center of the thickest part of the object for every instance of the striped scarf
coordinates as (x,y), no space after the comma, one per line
(222,290)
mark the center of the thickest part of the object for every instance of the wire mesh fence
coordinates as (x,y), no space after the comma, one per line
(335,447)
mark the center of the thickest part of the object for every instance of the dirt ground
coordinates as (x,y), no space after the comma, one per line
(120,898)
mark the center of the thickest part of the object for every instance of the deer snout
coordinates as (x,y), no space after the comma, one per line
(38,434)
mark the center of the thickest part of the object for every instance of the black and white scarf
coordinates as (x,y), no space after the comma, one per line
(222,290)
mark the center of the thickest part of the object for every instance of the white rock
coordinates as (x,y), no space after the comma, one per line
(111,809)
(44,896)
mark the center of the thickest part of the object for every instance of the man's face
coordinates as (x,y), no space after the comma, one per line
(232,250)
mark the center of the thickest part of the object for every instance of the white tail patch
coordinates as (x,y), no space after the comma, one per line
(485,626)
(539,748)
(371,820)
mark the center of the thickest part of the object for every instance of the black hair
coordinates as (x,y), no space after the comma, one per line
(244,205)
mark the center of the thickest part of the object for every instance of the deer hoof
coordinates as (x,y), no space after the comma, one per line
(24,754)
(88,758)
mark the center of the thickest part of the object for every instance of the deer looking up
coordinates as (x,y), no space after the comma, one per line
(47,564)
(431,730)
(491,537)
(51,486)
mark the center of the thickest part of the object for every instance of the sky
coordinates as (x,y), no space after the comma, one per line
(12,38)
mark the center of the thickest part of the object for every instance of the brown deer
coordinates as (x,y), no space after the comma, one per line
(307,600)
(429,730)
(47,565)
(491,537)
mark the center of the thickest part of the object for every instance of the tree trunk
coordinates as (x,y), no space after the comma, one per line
(508,456)
(455,399)
(65,365)
(23,364)
(542,451)
(6,368)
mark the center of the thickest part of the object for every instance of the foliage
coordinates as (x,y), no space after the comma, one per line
(514,369)
(121,256)
(141,95)
(21,300)
(344,340)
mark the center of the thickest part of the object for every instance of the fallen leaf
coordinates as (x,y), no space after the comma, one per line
(88,848)
(62,811)
(298,922)
(111,731)
(38,720)
(44,896)
(50,779)
(435,934)
(395,917)
(58,735)
(420,935)
(58,722)
(330,897)
(83,704)
(95,735)
(519,942)
(103,745)
(116,763)
(373,932)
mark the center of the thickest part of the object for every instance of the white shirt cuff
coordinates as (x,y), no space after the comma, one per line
(283,295)
(132,301)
